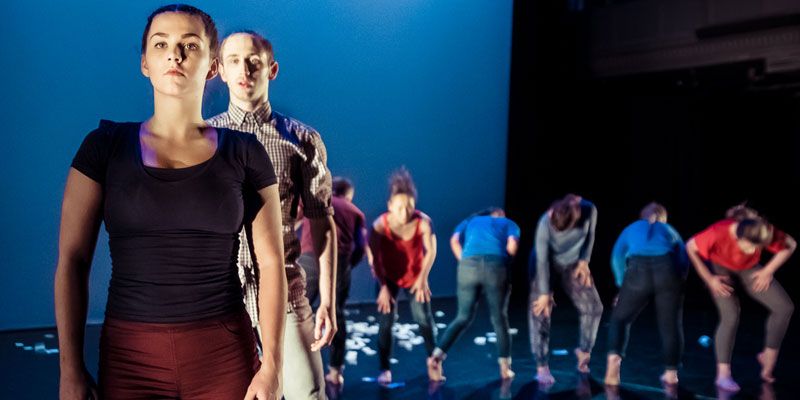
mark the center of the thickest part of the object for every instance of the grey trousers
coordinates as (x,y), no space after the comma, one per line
(303,376)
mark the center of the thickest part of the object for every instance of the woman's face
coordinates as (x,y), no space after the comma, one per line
(401,206)
(747,246)
(177,58)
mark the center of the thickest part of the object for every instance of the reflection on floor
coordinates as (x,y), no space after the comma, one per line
(29,365)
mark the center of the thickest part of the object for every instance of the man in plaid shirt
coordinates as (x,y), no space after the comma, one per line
(299,157)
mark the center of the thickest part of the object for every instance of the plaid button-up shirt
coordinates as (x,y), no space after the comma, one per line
(300,160)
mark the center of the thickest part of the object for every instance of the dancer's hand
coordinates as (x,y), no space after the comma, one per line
(421,291)
(582,273)
(385,300)
(761,280)
(324,328)
(77,386)
(720,285)
(542,306)
(264,385)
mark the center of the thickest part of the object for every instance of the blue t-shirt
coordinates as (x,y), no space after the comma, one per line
(643,238)
(486,235)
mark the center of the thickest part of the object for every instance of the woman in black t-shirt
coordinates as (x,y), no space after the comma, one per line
(174,194)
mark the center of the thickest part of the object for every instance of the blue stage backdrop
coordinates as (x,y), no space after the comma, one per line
(388,83)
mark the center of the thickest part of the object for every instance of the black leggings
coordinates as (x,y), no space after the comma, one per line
(646,278)
(422,315)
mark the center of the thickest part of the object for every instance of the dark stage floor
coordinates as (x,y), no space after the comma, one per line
(29,372)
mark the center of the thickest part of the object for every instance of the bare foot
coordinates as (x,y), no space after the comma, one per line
(435,369)
(669,377)
(385,377)
(767,359)
(334,377)
(727,384)
(544,377)
(583,360)
(505,369)
(612,370)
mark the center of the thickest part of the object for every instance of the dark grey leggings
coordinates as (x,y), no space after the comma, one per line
(486,275)
(775,299)
(650,278)
(590,310)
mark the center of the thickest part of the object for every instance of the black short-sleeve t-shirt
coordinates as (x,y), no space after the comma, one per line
(173,233)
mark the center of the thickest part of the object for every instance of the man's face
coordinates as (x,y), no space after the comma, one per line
(247,68)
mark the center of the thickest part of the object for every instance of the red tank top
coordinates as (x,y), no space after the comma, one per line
(401,259)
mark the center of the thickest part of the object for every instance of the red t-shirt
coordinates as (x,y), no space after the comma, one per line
(401,260)
(716,244)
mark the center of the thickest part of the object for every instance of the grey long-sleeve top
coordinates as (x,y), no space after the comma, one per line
(561,249)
